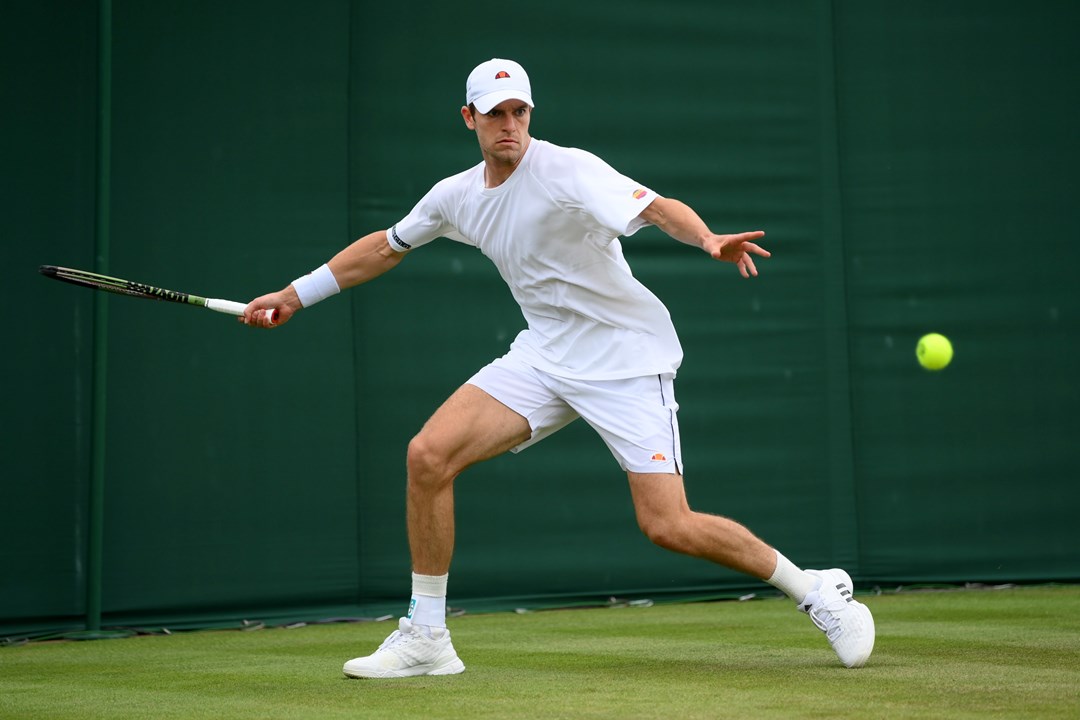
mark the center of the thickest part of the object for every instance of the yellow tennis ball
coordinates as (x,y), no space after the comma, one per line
(934,351)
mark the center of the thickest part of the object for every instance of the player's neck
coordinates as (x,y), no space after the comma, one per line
(498,170)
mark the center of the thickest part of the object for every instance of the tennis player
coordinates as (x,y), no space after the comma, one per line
(598,345)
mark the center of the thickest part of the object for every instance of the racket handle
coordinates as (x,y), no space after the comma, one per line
(235,308)
(225,306)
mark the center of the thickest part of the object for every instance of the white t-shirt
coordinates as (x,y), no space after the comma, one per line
(552,231)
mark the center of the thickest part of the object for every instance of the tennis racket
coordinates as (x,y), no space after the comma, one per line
(135,289)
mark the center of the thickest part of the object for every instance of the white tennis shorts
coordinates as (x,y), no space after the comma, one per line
(636,417)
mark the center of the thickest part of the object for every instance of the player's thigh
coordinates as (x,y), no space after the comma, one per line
(657,496)
(471,426)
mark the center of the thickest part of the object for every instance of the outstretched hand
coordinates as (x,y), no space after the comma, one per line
(738,249)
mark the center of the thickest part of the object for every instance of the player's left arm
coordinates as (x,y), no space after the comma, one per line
(679,220)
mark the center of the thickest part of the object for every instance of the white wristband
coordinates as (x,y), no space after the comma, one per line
(317,285)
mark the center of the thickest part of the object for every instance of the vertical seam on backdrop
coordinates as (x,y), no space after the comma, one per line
(99,412)
(844,277)
(841,200)
(353,313)
(842,449)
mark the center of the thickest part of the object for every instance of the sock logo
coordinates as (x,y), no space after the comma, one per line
(412,607)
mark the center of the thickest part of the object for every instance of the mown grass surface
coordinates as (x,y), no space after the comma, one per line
(962,654)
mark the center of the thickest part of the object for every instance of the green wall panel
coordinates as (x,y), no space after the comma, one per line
(960,195)
(231,453)
(47,175)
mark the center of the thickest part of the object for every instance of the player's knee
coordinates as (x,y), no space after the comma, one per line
(426,463)
(664,531)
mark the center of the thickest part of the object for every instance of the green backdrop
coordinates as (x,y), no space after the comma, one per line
(914,166)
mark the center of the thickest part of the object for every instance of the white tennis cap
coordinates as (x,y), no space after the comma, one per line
(497,80)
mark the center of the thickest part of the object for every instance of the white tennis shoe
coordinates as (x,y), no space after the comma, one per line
(846,622)
(409,652)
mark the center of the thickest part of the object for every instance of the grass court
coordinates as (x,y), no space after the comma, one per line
(955,654)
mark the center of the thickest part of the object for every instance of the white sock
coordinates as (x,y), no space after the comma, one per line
(428,604)
(790,580)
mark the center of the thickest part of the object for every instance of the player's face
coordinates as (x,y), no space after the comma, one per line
(503,132)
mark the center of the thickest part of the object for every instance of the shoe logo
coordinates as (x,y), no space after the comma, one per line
(844,592)
(658,457)
(806,608)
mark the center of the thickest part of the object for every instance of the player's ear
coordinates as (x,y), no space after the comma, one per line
(467,116)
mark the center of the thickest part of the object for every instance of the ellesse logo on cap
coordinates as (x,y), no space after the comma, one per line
(501,74)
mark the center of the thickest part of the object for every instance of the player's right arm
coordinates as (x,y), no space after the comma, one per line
(364,260)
